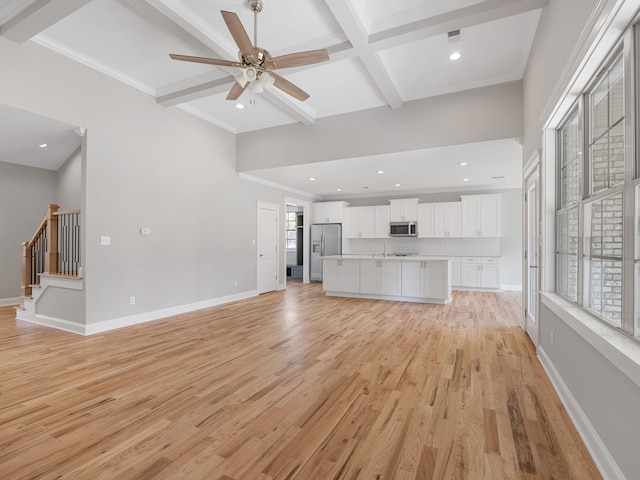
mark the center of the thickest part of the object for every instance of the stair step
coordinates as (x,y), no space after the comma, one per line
(27,297)
(19,307)
(35,285)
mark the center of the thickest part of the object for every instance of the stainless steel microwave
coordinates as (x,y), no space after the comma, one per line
(403,229)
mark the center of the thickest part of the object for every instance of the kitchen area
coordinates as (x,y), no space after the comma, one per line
(411,250)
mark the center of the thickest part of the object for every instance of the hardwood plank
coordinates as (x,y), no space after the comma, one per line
(288,385)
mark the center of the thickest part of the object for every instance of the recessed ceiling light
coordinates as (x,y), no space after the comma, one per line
(239,106)
(397,184)
(465,179)
(312,179)
(380,171)
(42,145)
(463,164)
(455,56)
(339,189)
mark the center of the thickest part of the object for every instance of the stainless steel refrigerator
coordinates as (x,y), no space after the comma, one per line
(326,239)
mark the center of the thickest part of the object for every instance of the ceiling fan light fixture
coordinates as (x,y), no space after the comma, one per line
(249,74)
(267,80)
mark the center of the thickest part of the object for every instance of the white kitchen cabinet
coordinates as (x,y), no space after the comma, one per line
(380,277)
(341,275)
(367,222)
(480,272)
(329,212)
(480,215)
(446,219)
(361,222)
(426,220)
(404,210)
(455,271)
(383,218)
(426,279)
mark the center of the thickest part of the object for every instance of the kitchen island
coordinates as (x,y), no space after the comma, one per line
(407,278)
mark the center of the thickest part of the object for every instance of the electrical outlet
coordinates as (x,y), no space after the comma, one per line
(145,231)
(551,337)
(132,300)
(105,240)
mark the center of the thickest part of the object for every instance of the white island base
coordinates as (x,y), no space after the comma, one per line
(409,279)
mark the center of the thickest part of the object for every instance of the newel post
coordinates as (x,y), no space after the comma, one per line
(51,255)
(25,289)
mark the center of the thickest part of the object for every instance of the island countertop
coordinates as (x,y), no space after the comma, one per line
(379,256)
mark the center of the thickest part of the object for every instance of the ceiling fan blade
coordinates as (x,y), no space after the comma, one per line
(210,61)
(297,59)
(238,33)
(287,87)
(236,91)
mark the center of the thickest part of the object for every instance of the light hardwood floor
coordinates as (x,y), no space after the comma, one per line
(288,385)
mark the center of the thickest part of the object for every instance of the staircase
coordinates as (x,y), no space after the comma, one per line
(50,258)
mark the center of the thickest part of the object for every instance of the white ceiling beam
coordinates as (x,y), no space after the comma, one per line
(197,28)
(355,31)
(463,18)
(37,17)
(182,94)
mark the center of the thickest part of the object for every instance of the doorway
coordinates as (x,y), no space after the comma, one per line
(296,241)
(267,247)
(531,272)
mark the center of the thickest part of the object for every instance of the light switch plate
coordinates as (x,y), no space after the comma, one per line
(145,231)
(105,240)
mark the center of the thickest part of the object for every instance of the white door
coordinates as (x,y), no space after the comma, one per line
(267,262)
(531,254)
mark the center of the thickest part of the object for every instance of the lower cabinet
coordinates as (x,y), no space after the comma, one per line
(425,279)
(341,275)
(480,272)
(455,272)
(380,277)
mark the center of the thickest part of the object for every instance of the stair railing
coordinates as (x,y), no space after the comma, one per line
(54,249)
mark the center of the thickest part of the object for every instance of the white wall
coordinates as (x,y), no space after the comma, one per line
(146,166)
(602,399)
(25,193)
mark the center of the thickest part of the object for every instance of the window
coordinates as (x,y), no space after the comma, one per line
(292,218)
(567,216)
(592,186)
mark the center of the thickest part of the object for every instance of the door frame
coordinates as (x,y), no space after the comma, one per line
(531,176)
(275,207)
(306,232)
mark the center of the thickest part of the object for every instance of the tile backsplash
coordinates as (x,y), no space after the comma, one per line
(455,247)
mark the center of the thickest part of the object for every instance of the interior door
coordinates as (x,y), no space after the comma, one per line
(267,246)
(531,251)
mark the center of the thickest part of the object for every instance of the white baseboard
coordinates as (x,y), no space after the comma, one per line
(604,461)
(107,325)
(515,288)
(58,323)
(9,301)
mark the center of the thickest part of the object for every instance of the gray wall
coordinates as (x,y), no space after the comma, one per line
(25,193)
(607,397)
(483,114)
(69,183)
(146,166)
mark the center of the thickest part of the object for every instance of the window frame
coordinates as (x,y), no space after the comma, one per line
(628,47)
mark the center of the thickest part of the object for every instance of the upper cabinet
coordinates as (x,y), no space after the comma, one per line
(426,222)
(329,212)
(437,220)
(481,215)
(367,222)
(404,210)
(446,219)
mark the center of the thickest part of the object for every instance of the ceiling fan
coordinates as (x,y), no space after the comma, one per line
(256,62)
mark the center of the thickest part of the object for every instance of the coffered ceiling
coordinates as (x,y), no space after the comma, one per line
(382,53)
